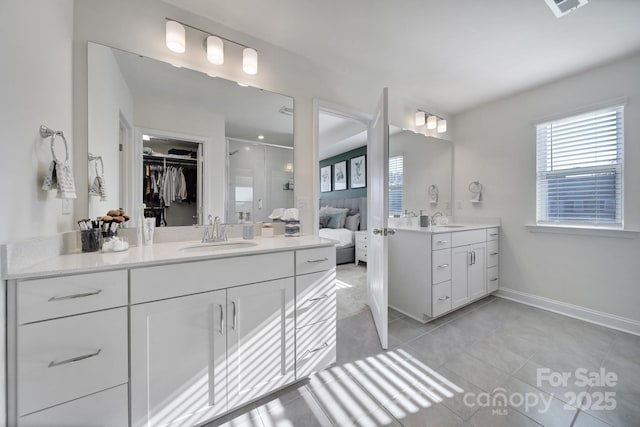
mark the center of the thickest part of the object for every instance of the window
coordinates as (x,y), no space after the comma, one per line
(579,167)
(395,185)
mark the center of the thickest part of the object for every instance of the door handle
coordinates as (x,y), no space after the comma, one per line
(259,203)
(377,231)
(443,266)
(443,298)
(221,319)
(235,315)
(391,231)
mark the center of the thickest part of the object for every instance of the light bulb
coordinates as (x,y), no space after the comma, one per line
(432,122)
(215,50)
(442,126)
(250,61)
(420,118)
(175,37)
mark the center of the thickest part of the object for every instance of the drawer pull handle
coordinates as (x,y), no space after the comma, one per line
(493,234)
(444,298)
(493,280)
(443,266)
(312,261)
(493,253)
(325,345)
(442,241)
(74,296)
(53,364)
(318,298)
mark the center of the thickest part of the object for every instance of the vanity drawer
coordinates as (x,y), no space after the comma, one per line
(315,347)
(317,259)
(109,408)
(440,266)
(42,299)
(492,279)
(440,241)
(315,297)
(71,357)
(493,234)
(462,238)
(173,280)
(492,253)
(441,294)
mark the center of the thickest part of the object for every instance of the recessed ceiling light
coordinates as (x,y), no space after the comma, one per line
(146,137)
(243,85)
(260,136)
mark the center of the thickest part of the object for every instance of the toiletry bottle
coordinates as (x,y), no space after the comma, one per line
(140,225)
(247,227)
(424,220)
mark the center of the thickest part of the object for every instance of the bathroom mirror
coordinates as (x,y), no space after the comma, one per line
(418,162)
(185,113)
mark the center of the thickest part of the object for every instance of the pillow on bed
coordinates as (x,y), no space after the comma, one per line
(324,220)
(329,210)
(334,220)
(352,222)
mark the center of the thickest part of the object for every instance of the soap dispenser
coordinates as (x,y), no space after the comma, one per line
(424,219)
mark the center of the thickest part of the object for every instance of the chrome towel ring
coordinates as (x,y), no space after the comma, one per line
(45,132)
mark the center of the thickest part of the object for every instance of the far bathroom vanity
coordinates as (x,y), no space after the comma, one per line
(176,333)
(434,270)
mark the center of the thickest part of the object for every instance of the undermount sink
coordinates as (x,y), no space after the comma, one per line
(451,226)
(217,246)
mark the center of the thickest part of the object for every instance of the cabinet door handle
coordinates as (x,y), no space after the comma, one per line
(312,261)
(325,345)
(235,317)
(318,298)
(493,234)
(443,266)
(493,253)
(444,298)
(473,257)
(221,319)
(53,363)
(442,241)
(74,296)
(470,258)
(493,280)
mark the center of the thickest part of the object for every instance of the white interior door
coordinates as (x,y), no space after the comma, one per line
(378,214)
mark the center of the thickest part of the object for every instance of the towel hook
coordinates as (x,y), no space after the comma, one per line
(47,132)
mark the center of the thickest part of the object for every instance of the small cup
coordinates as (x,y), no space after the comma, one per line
(91,240)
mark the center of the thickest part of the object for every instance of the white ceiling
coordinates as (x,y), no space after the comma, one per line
(449,54)
(339,134)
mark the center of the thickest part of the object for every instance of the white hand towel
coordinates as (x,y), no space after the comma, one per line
(66,186)
(291,214)
(277,213)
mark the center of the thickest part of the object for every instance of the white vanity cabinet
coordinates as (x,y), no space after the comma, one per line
(432,273)
(196,356)
(70,365)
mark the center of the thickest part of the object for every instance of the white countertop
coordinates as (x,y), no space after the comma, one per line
(158,254)
(447,228)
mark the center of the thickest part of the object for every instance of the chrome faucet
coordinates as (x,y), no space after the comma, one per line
(217,233)
(434,218)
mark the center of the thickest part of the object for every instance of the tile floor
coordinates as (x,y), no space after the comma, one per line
(478,366)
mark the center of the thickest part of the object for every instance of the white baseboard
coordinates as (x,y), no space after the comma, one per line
(593,316)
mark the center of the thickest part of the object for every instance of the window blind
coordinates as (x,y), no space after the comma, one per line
(395,185)
(580,169)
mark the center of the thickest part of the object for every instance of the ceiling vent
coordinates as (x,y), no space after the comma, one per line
(562,7)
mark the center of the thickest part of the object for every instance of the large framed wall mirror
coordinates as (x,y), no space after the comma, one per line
(183,142)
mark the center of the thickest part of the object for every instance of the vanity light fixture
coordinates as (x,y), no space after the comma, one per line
(213,44)
(431,120)
(260,136)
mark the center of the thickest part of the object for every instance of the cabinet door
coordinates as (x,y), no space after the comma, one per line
(261,339)
(478,271)
(460,263)
(178,360)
